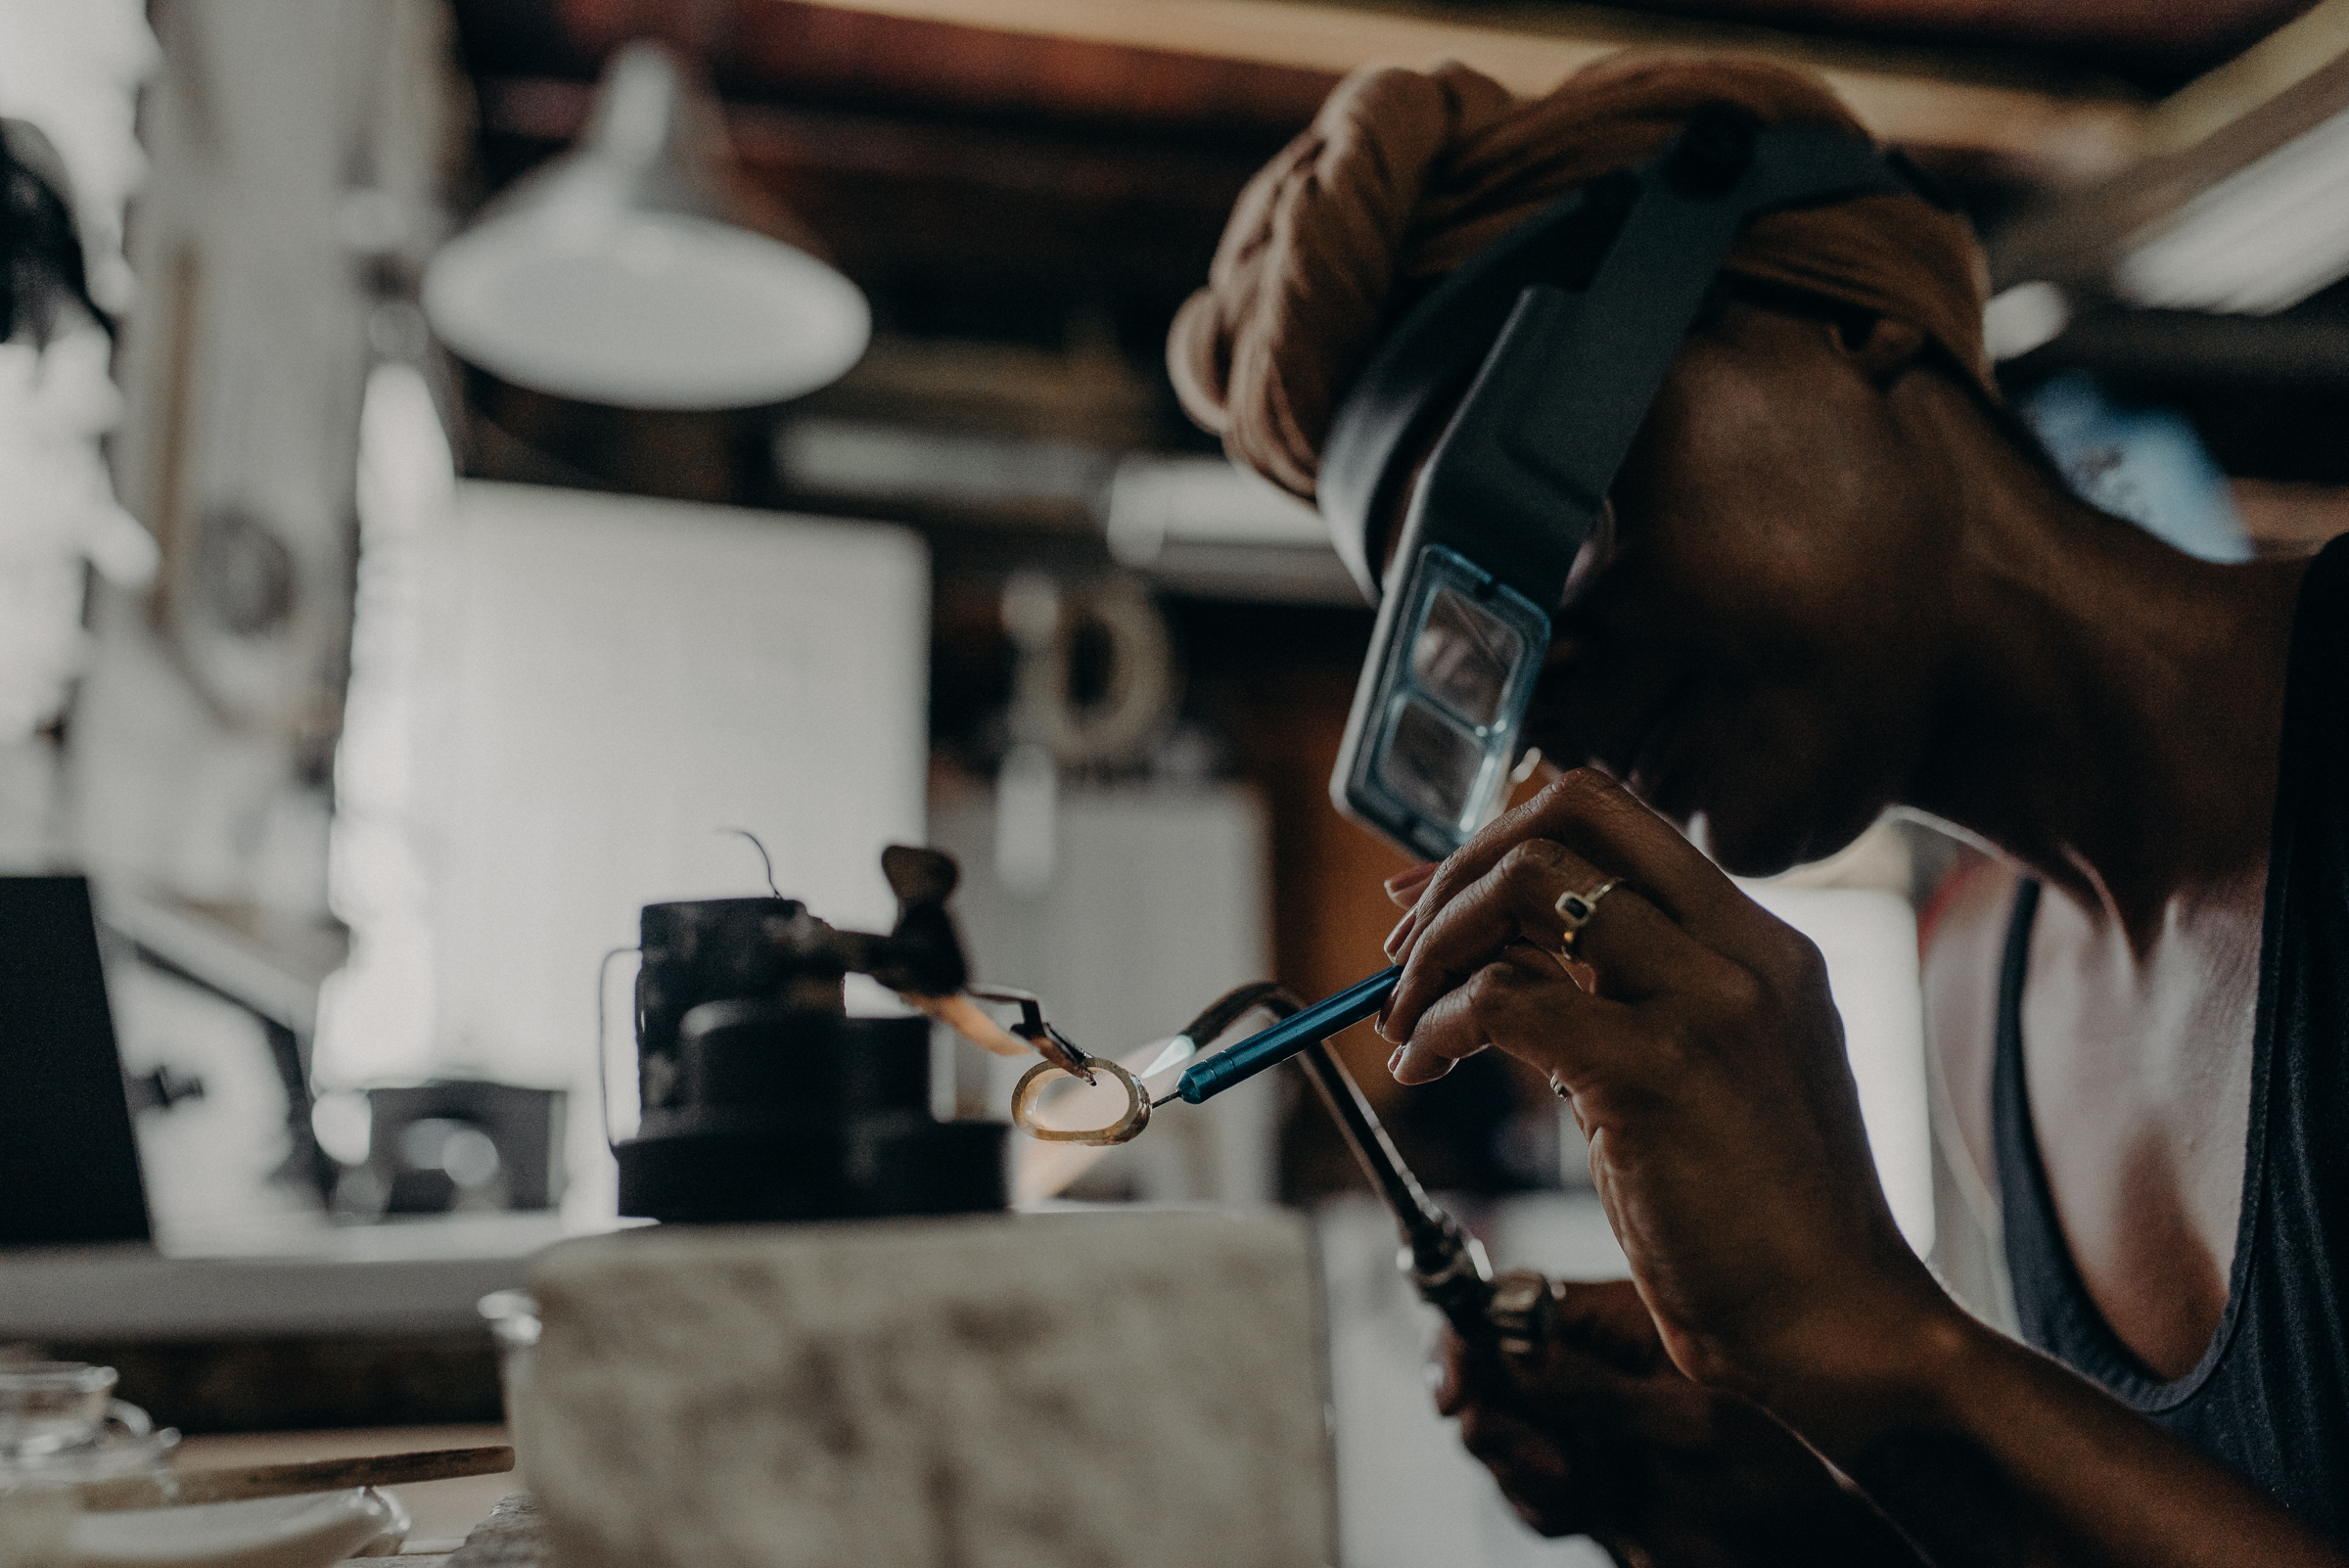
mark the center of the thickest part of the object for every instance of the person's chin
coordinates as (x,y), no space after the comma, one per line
(1756,844)
(1681,786)
(1742,851)
(1732,842)
(1747,833)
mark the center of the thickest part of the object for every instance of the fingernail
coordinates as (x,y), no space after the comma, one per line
(1402,929)
(1421,1066)
(1393,1059)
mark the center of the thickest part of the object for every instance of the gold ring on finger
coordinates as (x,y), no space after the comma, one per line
(1577,909)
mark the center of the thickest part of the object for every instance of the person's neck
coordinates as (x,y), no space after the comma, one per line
(2113,714)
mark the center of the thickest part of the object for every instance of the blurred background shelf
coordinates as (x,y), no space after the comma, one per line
(275,1279)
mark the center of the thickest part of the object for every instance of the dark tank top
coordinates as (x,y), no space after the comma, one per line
(2270,1398)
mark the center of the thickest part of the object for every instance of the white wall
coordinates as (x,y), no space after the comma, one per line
(596,687)
(1868,938)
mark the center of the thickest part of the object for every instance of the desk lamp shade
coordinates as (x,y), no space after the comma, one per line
(636,270)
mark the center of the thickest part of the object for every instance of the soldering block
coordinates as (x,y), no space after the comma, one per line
(1110,1390)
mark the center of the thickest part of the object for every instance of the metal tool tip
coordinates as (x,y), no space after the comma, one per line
(1155,1104)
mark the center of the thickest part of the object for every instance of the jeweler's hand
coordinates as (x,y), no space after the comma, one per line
(1704,1059)
(1596,1433)
(1701,1051)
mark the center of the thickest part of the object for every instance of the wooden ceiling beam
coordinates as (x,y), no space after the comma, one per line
(2259,76)
(2274,93)
(2074,128)
(2159,41)
(843,56)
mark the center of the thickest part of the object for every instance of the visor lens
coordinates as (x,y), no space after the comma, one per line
(1432,764)
(1433,727)
(1463,657)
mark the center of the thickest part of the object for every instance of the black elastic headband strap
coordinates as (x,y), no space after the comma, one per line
(1574,402)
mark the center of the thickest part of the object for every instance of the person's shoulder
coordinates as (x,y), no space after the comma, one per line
(1961,937)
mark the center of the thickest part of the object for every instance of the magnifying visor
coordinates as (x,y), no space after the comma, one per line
(1559,333)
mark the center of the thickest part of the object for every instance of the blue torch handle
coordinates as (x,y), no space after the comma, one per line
(1284,1039)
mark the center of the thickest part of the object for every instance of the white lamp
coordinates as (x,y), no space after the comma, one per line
(636,270)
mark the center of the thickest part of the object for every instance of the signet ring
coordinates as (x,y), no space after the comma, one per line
(1576,911)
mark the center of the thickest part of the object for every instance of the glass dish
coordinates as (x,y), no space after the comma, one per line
(59,1422)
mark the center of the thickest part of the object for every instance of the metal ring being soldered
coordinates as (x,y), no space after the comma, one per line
(1123,1130)
(1576,911)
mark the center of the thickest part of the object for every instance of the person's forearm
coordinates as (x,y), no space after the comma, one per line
(1777,1507)
(1983,1450)
(1810,1522)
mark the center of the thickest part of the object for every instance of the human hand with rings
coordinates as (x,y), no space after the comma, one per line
(1695,1039)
